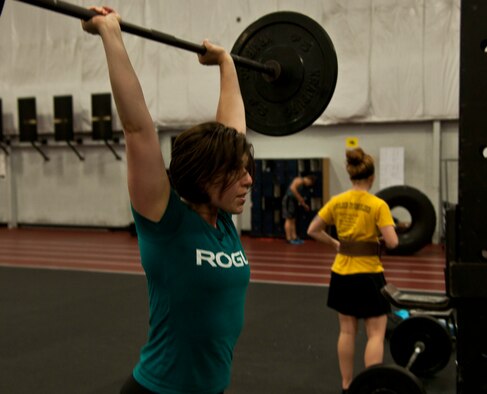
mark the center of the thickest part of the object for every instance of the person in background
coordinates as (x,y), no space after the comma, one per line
(290,202)
(197,272)
(362,220)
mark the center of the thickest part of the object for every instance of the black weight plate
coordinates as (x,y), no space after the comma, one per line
(386,379)
(305,85)
(436,339)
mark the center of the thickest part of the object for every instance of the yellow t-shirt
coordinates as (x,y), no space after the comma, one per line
(357,215)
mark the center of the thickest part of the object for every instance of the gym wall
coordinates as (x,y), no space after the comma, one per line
(398,74)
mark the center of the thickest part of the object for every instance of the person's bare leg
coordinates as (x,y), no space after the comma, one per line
(290,229)
(375,328)
(346,347)
(294,235)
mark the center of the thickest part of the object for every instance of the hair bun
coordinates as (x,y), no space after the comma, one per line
(355,156)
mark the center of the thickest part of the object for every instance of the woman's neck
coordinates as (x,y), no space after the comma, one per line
(209,213)
(361,185)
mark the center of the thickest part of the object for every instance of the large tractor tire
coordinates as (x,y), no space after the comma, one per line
(419,232)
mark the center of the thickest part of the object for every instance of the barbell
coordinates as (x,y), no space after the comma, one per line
(420,346)
(286,63)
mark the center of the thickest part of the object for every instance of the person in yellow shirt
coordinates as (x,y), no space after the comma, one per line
(357,274)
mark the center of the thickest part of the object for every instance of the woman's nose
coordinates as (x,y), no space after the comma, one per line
(247,180)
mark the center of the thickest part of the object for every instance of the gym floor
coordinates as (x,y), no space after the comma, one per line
(73,312)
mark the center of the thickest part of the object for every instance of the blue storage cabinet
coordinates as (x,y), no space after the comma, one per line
(271,180)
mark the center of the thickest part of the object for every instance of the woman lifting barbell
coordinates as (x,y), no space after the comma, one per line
(196,269)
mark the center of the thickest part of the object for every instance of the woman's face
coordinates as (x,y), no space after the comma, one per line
(233,198)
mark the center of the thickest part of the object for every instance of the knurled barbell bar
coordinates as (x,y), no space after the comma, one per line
(286,62)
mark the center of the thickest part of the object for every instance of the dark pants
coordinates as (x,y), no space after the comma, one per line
(131,386)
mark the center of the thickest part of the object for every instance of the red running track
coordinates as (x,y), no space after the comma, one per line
(271,260)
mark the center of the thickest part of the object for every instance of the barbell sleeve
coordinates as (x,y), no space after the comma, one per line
(419,347)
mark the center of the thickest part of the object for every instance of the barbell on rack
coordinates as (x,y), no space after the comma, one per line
(286,62)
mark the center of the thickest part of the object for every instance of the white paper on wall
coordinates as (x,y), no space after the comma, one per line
(391,166)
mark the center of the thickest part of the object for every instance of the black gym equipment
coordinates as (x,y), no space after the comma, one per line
(63,118)
(27,119)
(101,120)
(435,341)
(304,56)
(287,73)
(419,232)
(466,274)
(101,116)
(63,122)
(27,116)
(420,345)
(426,311)
(386,379)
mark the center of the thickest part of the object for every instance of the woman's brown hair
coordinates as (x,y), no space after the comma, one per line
(360,165)
(206,154)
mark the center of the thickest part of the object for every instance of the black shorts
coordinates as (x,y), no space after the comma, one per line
(289,207)
(131,386)
(358,295)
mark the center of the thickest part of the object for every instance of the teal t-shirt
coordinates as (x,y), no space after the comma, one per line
(197,279)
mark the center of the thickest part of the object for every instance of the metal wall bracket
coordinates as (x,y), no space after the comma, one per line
(4,148)
(77,152)
(46,158)
(117,156)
